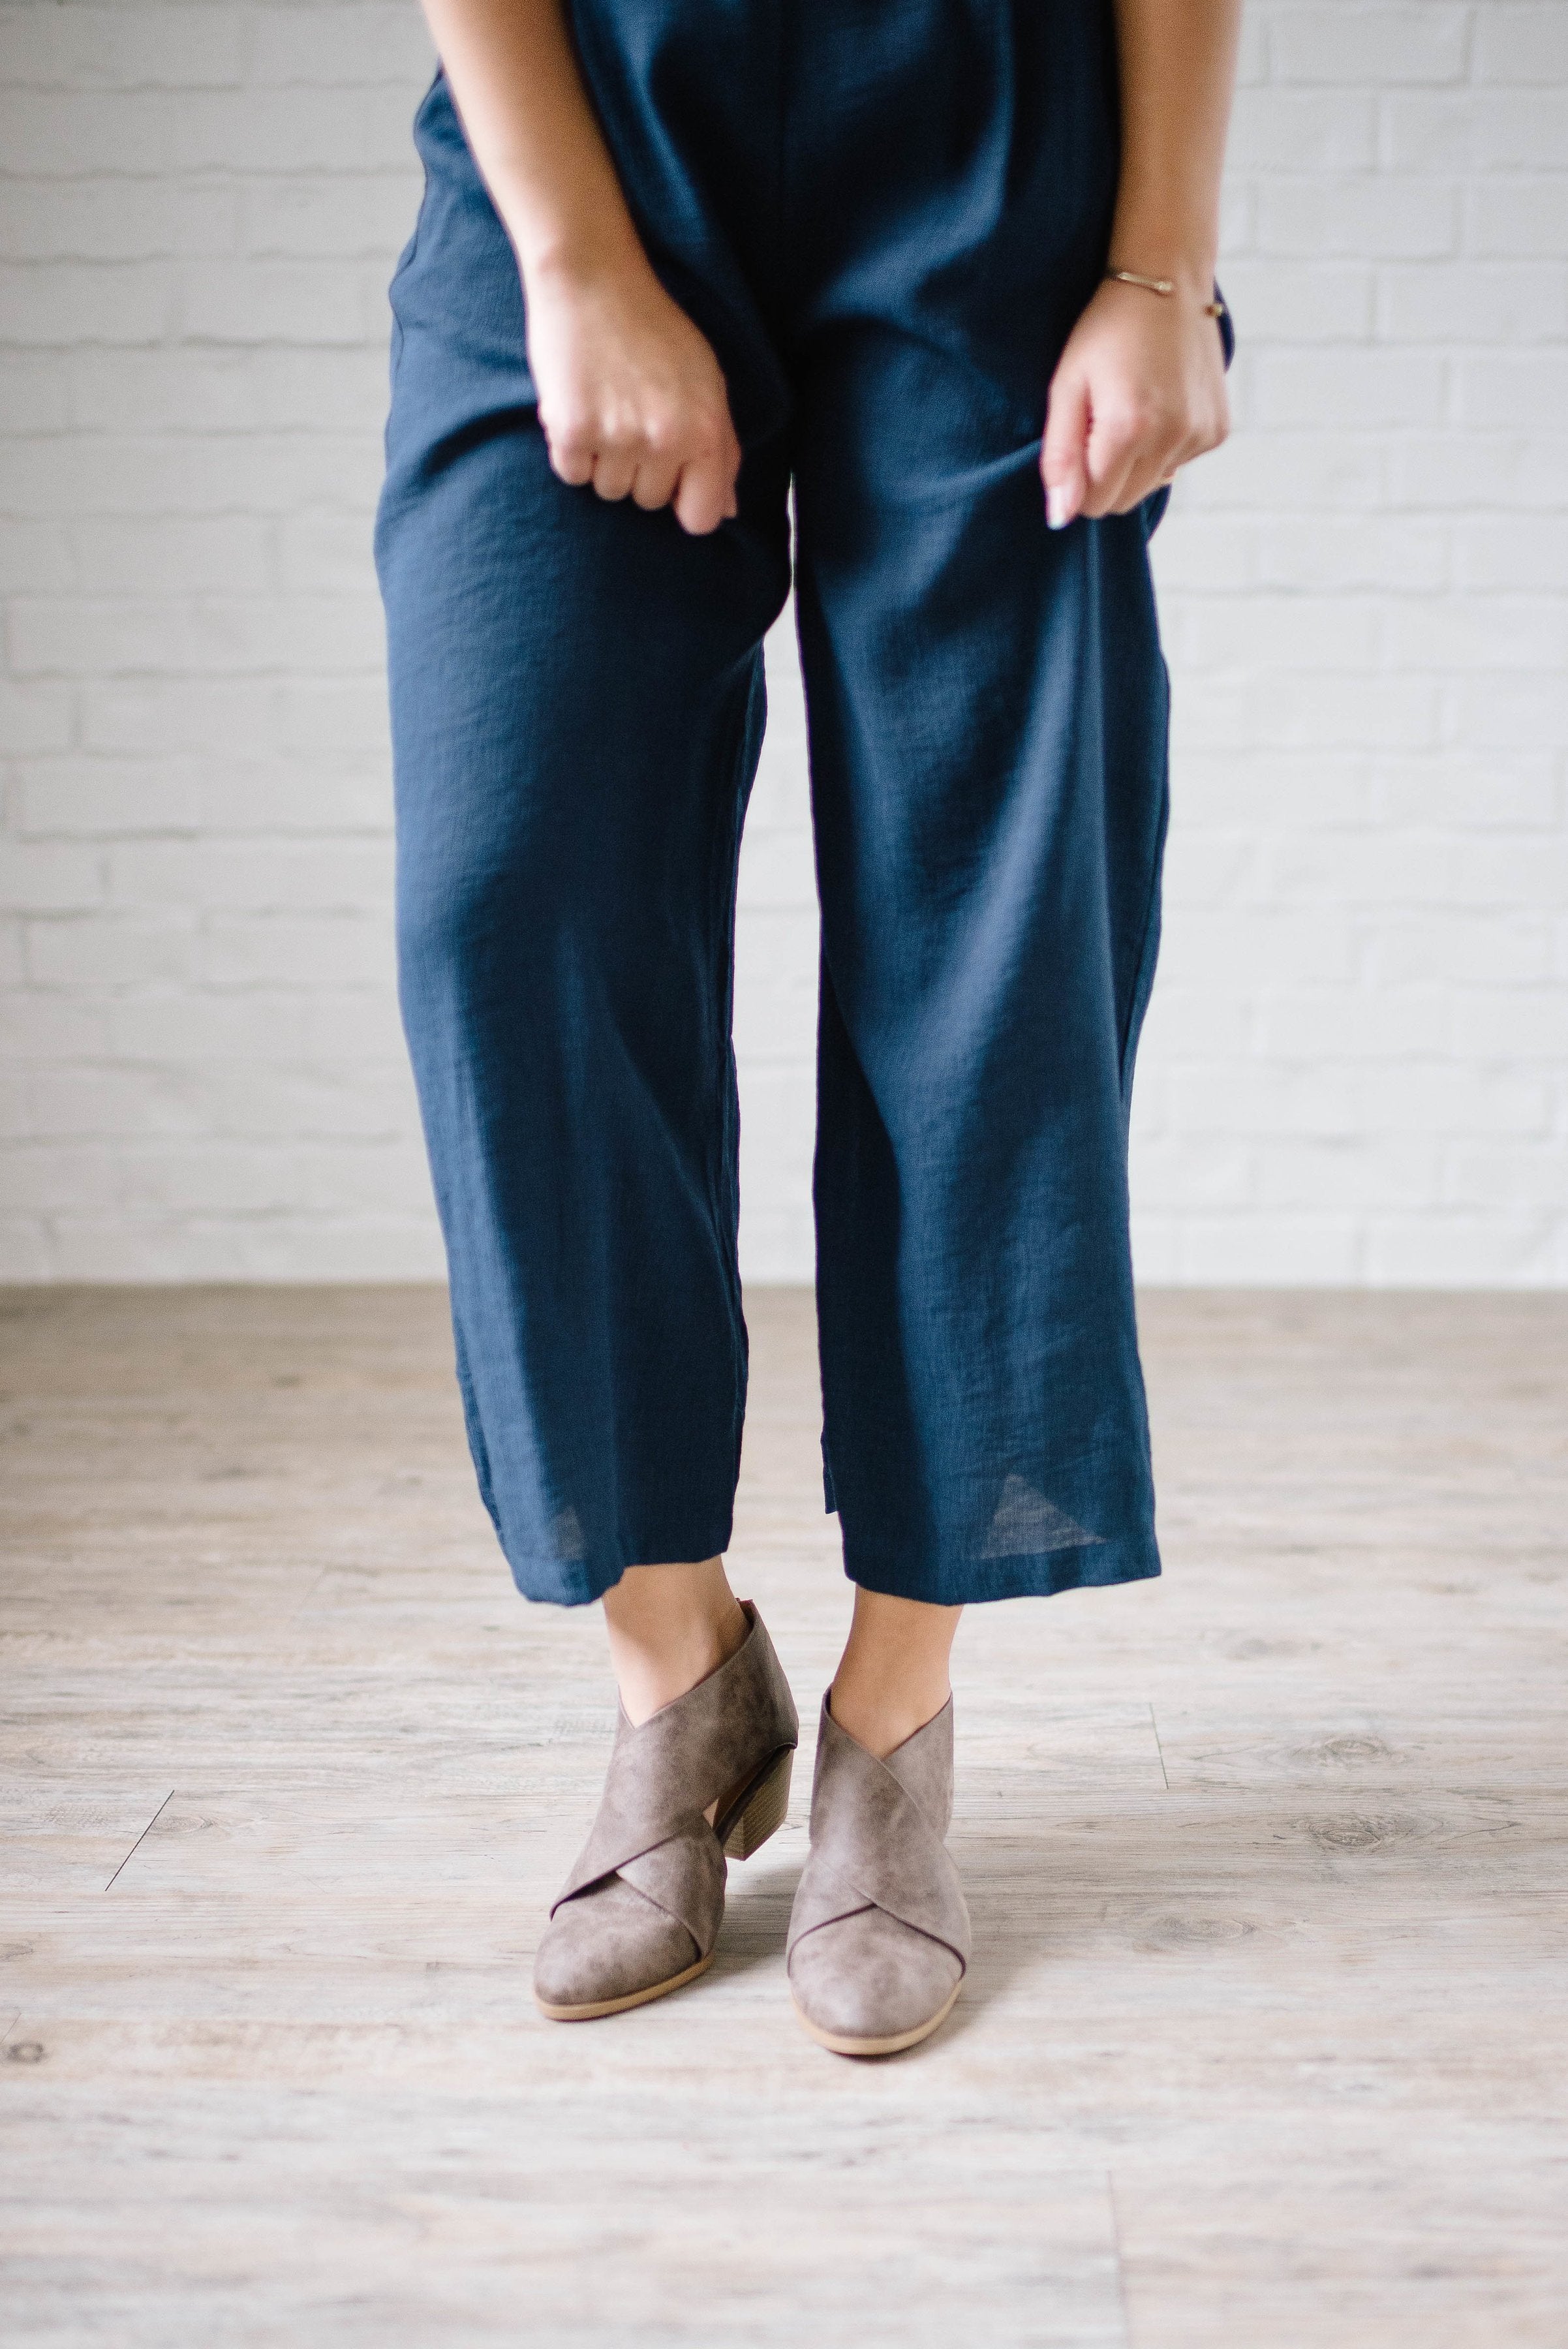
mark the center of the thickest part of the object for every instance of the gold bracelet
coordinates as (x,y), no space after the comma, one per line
(1215,309)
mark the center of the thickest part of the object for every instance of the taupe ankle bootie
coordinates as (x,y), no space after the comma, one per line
(641,1909)
(880,1937)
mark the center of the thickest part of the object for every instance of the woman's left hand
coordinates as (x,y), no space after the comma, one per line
(1139,391)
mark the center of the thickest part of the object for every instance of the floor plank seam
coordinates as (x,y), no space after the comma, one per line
(1120,2266)
(1160,1747)
(140,1840)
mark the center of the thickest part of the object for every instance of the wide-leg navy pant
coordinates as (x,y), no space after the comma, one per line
(886,217)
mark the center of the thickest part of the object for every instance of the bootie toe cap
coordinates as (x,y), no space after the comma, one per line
(608,1947)
(866,1980)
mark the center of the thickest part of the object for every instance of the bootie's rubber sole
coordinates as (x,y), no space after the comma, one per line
(840,2043)
(598,2006)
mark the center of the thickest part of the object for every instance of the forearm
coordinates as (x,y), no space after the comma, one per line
(1177,68)
(513,75)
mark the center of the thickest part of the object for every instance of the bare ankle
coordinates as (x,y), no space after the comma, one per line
(670,1627)
(893,1677)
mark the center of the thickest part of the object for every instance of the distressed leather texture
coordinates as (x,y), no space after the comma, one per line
(879,1935)
(646,1896)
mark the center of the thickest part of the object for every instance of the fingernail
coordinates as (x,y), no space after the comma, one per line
(1056,514)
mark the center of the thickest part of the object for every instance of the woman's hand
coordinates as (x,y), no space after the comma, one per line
(1139,391)
(631,398)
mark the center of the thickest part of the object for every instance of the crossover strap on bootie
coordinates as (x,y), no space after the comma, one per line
(876,1831)
(711,1746)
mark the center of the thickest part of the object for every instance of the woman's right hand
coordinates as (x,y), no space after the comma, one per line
(631,398)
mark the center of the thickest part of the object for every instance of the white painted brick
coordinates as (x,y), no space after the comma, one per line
(110,950)
(34,717)
(226,554)
(105,1102)
(1396,555)
(775,870)
(328,217)
(75,48)
(122,1248)
(1462,949)
(1301,471)
(1460,791)
(274,302)
(39,1026)
(1512,712)
(1283,1250)
(71,1178)
(1356,388)
(346,48)
(322,554)
(1522,43)
(253,876)
(35,558)
(1266,631)
(1484,632)
(305,951)
(1367,215)
(27,1251)
(1519,215)
(1349,1023)
(1439,1097)
(1398,1171)
(1514,1023)
(1528,388)
(1459,1251)
(49,877)
(1527,551)
(1367,47)
(254,1026)
(1296,301)
(1520,472)
(33,396)
(236,473)
(317,717)
(149,132)
(212,636)
(1473,302)
(320,1104)
(121,220)
(13,951)
(1479,131)
(1480,1176)
(88,301)
(357,1023)
(180,714)
(100,799)
(1340,711)
(1276,129)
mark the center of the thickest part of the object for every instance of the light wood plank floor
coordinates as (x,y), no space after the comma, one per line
(1266,2039)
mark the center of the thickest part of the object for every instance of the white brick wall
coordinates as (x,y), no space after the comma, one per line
(1354,1066)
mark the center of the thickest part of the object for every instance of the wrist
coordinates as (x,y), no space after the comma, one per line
(561,250)
(1154,241)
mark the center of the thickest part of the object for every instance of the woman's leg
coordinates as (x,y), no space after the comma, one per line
(577,707)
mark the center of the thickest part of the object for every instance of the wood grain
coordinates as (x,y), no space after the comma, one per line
(1266,2037)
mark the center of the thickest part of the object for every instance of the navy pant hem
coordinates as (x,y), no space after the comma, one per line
(1134,1559)
(575,1583)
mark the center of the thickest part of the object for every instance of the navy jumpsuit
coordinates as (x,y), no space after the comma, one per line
(886,216)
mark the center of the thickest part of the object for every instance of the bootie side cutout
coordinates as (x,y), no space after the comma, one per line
(879,1935)
(639,1914)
